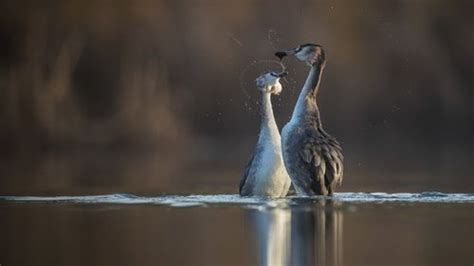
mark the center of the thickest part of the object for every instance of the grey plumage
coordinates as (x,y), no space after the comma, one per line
(315,164)
(312,157)
(245,187)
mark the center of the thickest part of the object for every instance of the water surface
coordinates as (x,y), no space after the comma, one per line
(428,228)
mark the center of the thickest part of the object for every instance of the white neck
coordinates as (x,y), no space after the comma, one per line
(268,127)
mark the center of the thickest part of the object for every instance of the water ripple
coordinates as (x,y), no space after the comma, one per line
(199,200)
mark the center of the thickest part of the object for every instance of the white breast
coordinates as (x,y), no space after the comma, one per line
(272,178)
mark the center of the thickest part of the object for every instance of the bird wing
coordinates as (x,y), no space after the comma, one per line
(337,159)
(323,157)
(247,172)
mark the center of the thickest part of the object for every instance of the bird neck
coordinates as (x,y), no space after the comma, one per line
(307,106)
(268,126)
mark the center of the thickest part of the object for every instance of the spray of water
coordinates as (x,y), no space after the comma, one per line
(247,82)
(273,39)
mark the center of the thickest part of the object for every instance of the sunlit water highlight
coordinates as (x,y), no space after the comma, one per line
(197,200)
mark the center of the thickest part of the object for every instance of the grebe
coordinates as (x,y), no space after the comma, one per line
(265,174)
(312,157)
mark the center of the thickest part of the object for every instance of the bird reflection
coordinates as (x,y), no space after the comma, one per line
(307,233)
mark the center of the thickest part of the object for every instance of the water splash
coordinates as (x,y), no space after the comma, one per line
(273,39)
(254,202)
(244,81)
(248,83)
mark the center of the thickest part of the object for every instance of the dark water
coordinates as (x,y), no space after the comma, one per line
(351,229)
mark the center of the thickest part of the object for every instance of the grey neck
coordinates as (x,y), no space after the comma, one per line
(307,106)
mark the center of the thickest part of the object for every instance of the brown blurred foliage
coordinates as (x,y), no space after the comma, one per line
(175,79)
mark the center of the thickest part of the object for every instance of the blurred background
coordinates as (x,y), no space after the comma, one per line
(158,97)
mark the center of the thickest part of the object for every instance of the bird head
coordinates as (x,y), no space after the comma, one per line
(309,53)
(270,82)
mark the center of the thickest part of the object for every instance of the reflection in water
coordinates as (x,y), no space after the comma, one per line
(273,229)
(310,233)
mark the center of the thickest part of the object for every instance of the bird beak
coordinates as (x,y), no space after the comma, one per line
(282,74)
(283,53)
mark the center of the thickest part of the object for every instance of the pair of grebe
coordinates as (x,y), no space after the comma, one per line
(304,154)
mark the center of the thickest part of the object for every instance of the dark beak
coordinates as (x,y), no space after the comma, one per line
(283,53)
(282,74)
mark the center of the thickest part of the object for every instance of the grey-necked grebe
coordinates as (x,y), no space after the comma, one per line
(312,157)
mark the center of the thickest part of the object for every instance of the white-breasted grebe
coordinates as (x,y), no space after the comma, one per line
(312,157)
(265,174)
